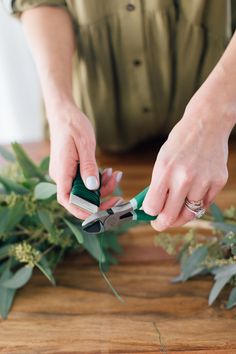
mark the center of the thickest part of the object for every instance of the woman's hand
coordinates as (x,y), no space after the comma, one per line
(193,162)
(72,141)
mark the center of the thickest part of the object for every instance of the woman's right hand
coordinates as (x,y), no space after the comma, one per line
(72,141)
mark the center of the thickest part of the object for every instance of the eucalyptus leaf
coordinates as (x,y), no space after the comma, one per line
(194,261)
(224,271)
(223,226)
(4,251)
(10,217)
(11,186)
(3,219)
(45,190)
(6,295)
(92,245)
(15,215)
(110,241)
(29,169)
(45,220)
(6,154)
(44,164)
(216,289)
(197,271)
(46,270)
(232,299)
(19,279)
(75,230)
(216,213)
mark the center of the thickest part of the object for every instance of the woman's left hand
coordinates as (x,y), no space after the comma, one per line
(192,163)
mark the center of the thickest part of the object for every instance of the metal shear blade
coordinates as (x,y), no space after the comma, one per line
(106,220)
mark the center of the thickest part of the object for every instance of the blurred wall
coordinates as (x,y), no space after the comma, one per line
(20,97)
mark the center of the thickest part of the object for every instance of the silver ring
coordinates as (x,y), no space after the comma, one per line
(196,207)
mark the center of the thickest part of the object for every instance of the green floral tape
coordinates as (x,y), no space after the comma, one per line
(83,197)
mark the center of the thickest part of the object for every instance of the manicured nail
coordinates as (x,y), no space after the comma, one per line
(119,176)
(108,171)
(92,183)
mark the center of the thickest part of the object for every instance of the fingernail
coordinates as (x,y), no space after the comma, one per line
(108,171)
(119,176)
(92,183)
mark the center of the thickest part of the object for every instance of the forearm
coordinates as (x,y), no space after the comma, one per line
(49,31)
(219,90)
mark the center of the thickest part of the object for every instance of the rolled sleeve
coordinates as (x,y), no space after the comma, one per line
(16,7)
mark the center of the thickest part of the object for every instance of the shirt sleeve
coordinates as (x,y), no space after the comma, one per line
(16,7)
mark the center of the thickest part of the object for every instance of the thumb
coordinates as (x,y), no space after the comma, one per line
(89,168)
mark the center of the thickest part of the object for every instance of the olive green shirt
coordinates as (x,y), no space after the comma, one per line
(139,62)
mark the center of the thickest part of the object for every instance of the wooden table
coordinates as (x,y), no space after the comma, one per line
(81,315)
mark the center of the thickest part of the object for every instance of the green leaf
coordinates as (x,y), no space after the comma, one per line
(44,164)
(92,245)
(222,277)
(6,154)
(15,215)
(232,299)
(224,271)
(46,270)
(3,219)
(75,230)
(197,271)
(45,190)
(29,169)
(4,251)
(6,295)
(216,213)
(194,261)
(222,226)
(11,186)
(10,217)
(19,279)
(216,289)
(109,240)
(45,220)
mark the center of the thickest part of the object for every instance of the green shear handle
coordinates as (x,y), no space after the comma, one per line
(137,202)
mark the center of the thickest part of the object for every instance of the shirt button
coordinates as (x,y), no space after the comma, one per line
(146,110)
(130,7)
(137,62)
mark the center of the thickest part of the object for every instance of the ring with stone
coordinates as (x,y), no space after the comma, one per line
(196,207)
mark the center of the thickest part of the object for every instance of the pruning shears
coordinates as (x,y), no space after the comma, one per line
(107,219)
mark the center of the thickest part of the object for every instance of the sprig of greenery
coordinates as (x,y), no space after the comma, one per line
(200,254)
(35,231)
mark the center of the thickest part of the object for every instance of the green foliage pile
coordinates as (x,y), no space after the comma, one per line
(35,231)
(213,255)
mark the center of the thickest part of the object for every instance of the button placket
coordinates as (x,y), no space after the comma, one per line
(139,100)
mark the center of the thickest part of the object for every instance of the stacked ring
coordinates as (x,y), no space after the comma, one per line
(196,207)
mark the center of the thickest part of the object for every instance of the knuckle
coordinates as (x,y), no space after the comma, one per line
(167,220)
(221,181)
(150,209)
(186,176)
(203,184)
(87,142)
(88,164)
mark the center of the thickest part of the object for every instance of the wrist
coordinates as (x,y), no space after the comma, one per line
(60,108)
(215,103)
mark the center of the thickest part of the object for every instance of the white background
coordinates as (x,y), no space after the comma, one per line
(20,97)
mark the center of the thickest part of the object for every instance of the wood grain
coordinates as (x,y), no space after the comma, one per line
(81,315)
